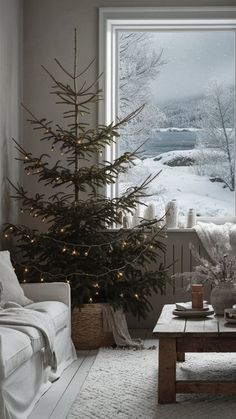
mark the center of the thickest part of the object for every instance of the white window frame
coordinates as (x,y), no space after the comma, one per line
(114,19)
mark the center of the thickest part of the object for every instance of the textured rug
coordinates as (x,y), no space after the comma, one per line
(123,384)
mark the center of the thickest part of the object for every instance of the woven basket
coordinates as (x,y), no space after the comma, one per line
(87,328)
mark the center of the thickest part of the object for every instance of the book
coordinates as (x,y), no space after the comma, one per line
(188,306)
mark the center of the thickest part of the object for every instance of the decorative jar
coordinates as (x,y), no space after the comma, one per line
(223,296)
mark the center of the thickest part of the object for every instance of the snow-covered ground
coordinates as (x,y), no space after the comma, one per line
(182,183)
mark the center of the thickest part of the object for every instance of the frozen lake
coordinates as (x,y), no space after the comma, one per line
(165,141)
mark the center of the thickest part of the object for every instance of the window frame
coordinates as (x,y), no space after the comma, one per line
(114,19)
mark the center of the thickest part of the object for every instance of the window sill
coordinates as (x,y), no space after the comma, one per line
(180,230)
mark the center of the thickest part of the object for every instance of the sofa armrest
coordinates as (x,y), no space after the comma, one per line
(53,291)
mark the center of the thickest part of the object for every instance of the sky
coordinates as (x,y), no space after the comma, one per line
(193,59)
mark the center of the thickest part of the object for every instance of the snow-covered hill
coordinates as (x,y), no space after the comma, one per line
(182,182)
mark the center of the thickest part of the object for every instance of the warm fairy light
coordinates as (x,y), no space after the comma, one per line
(74,253)
(43,220)
(26,158)
(64,249)
(96,293)
(57,178)
(136,296)
(32,240)
(121,295)
(35,215)
(79,141)
(120,274)
(26,270)
(42,279)
(96,285)
(90,300)
(24,280)
(62,230)
(11,228)
(68,281)
(86,253)
(6,235)
(151,246)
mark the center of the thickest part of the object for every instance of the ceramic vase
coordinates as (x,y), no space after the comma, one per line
(223,296)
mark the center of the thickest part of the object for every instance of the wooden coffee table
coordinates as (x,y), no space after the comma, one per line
(177,336)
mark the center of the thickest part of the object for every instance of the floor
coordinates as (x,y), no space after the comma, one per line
(56,402)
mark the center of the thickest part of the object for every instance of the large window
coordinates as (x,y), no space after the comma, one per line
(184,72)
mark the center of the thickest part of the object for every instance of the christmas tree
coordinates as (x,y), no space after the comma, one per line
(78,244)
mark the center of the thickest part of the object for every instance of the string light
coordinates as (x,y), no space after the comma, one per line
(86,253)
(32,240)
(11,228)
(43,220)
(42,279)
(6,235)
(62,230)
(57,178)
(64,249)
(26,270)
(26,158)
(90,300)
(74,253)
(136,296)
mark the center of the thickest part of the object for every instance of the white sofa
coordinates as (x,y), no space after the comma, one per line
(24,376)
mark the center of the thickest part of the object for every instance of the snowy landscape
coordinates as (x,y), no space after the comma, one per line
(188,139)
(208,198)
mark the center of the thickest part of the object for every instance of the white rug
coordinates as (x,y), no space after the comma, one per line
(123,384)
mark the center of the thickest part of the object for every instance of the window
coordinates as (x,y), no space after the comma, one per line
(182,66)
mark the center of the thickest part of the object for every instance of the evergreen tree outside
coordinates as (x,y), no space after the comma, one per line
(101,265)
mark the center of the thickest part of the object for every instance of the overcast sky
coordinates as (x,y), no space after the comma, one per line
(194,59)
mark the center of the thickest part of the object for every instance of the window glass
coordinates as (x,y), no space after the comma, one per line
(187,81)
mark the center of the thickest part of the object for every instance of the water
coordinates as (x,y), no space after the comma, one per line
(168,141)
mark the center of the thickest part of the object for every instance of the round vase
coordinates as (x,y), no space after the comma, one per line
(223,296)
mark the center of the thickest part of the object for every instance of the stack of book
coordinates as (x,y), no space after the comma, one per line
(188,306)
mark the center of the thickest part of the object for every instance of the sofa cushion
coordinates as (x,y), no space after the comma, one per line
(11,289)
(59,312)
(15,350)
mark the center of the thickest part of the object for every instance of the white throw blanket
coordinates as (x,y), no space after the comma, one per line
(115,321)
(220,237)
(17,316)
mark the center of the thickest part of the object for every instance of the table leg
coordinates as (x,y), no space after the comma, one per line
(167,370)
(180,356)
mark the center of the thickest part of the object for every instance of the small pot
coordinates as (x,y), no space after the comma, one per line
(223,296)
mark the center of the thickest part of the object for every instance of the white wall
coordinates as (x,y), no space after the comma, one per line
(10,93)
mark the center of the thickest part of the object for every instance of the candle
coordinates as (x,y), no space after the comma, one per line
(197,296)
